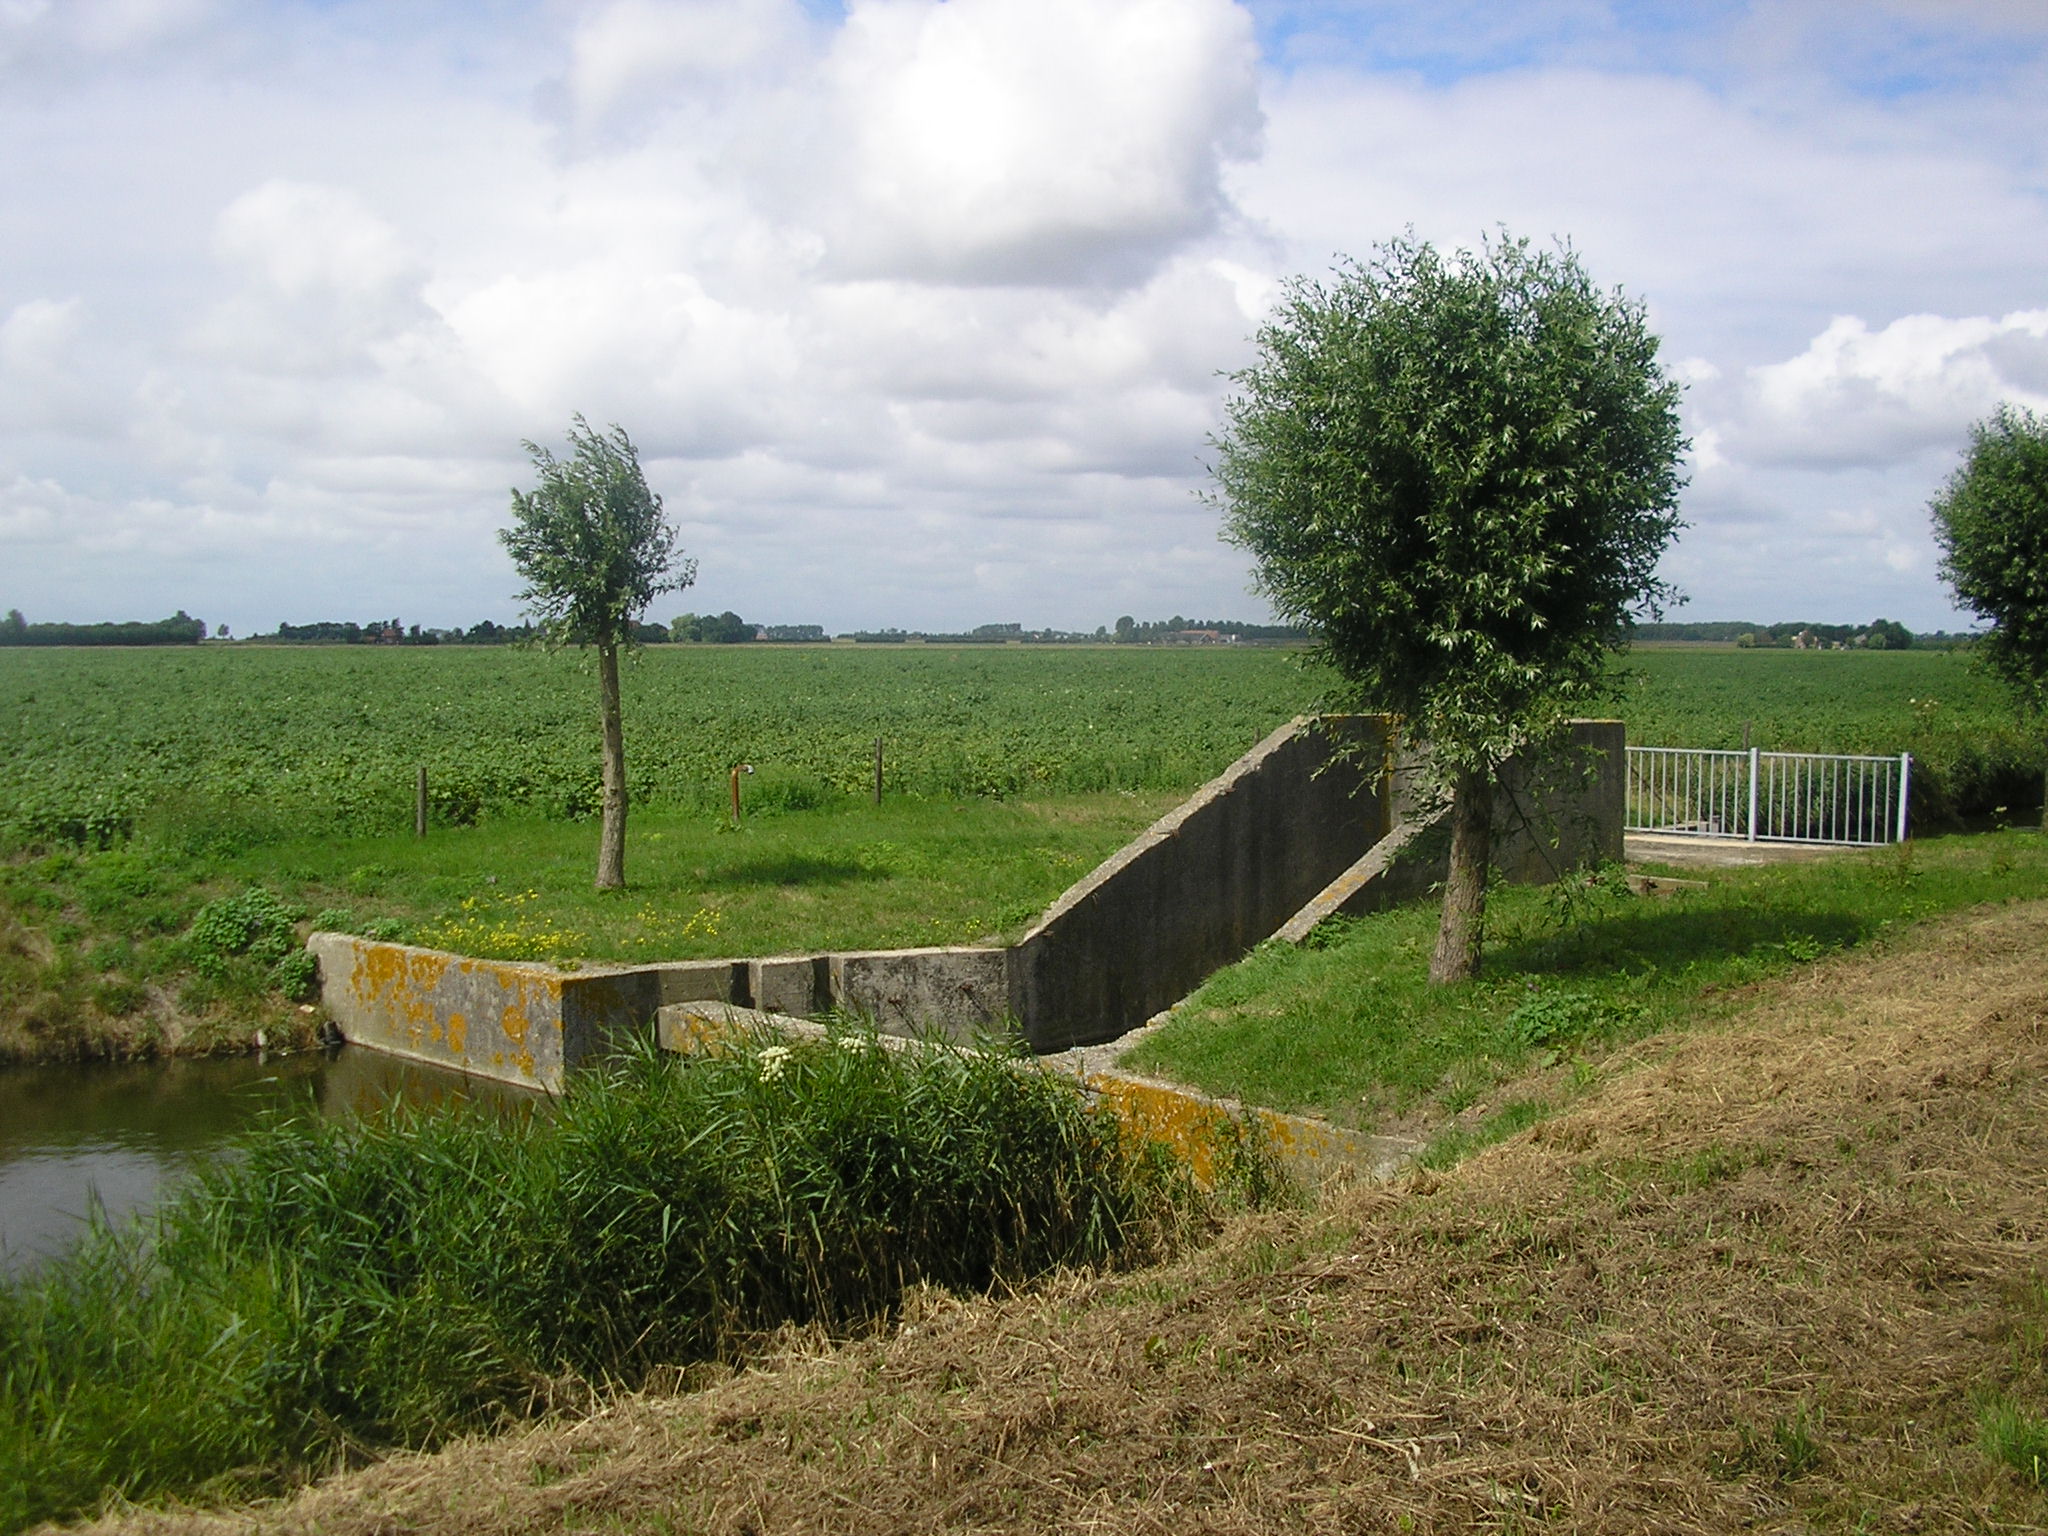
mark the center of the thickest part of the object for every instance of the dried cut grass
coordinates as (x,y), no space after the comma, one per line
(1765,1277)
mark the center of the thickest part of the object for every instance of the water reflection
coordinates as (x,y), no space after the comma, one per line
(122,1136)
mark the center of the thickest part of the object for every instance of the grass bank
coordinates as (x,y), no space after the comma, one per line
(340,1288)
(177,940)
(1348,1026)
(1781,1273)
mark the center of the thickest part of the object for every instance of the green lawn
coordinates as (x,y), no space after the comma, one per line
(1350,1028)
(897,875)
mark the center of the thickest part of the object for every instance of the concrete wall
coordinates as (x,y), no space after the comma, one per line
(910,991)
(1574,822)
(525,1024)
(1202,886)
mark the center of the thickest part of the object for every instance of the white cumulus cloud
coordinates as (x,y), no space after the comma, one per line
(1033,141)
(1863,396)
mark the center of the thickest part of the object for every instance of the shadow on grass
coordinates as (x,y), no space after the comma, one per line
(792,869)
(1673,936)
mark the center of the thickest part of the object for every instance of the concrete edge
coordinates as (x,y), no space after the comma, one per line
(1164,829)
(1352,885)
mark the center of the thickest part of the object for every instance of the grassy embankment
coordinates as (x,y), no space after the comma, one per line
(1781,1272)
(1348,1026)
(338,1289)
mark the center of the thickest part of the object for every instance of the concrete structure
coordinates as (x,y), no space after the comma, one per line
(1204,884)
(908,991)
(1538,834)
(526,1024)
(1293,831)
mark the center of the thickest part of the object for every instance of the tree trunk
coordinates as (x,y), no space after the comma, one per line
(611,837)
(1459,935)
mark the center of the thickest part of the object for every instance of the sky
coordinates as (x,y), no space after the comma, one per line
(921,312)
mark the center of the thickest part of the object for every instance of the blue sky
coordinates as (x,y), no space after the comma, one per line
(920,311)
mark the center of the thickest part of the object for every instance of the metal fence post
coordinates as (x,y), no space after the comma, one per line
(1755,756)
(1905,787)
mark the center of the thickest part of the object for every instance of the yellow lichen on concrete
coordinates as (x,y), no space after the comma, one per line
(1189,1126)
(703,1027)
(484,1016)
(1199,1129)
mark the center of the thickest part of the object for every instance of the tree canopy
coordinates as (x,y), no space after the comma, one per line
(1991,520)
(591,541)
(1460,473)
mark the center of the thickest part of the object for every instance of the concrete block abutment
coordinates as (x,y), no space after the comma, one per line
(1548,818)
(1308,823)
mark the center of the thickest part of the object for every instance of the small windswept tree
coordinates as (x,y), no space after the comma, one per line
(594,548)
(1460,473)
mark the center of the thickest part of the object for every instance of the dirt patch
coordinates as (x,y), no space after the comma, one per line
(1762,1278)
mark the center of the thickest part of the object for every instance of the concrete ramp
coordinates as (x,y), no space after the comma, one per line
(1204,884)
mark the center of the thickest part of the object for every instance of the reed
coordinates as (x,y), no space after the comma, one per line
(395,1280)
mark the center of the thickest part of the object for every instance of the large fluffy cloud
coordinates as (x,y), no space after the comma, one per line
(920,312)
(1858,396)
(1056,142)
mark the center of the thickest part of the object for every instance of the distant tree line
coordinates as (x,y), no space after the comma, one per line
(179,629)
(729,628)
(394,632)
(726,628)
(1878,635)
(1182,631)
(981,634)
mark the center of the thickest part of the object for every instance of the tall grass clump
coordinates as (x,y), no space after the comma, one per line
(394,1280)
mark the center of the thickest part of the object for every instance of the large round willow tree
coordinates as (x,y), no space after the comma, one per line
(1460,473)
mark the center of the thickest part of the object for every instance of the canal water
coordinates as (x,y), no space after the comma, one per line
(122,1137)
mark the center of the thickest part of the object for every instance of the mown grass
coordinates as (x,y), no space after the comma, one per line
(1348,1027)
(390,1282)
(890,876)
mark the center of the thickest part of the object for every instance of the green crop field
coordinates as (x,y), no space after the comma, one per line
(331,737)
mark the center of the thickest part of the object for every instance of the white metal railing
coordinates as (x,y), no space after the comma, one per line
(1779,797)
